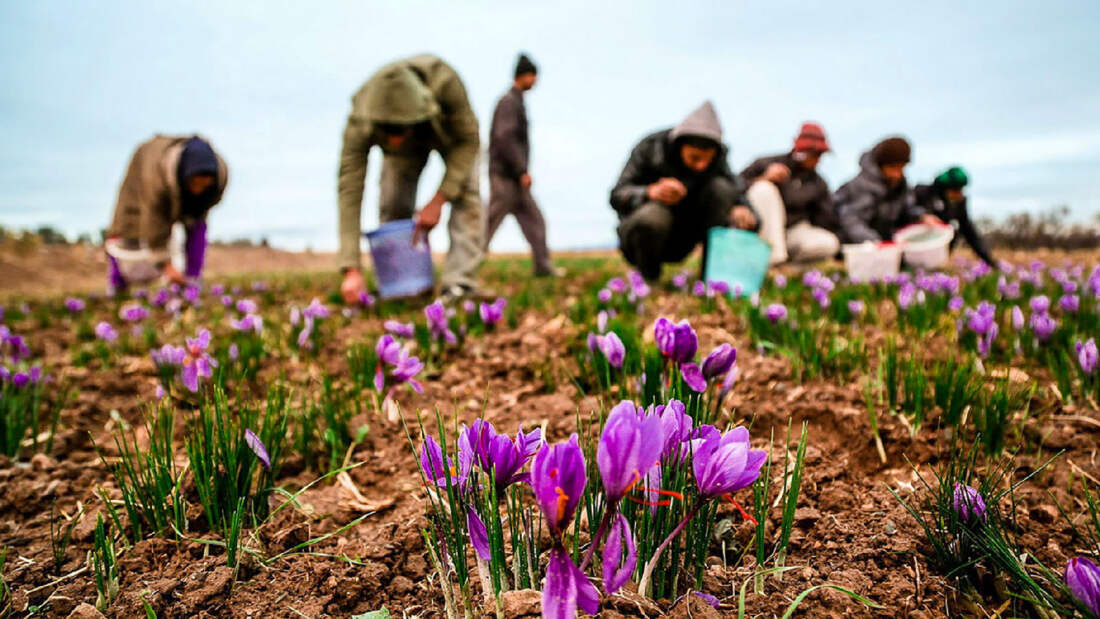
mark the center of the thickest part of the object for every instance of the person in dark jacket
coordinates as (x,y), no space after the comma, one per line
(676,186)
(793,201)
(509,178)
(170,180)
(945,199)
(877,202)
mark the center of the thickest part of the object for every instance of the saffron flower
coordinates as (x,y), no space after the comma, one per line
(968,503)
(719,362)
(250,322)
(436,314)
(106,332)
(604,295)
(677,342)
(1039,304)
(726,463)
(247,306)
(197,363)
(257,447)
(132,312)
(558,480)
(955,303)
(618,569)
(693,377)
(630,445)
(497,454)
(1069,303)
(1088,356)
(491,313)
(442,472)
(855,307)
(1083,580)
(776,313)
(74,305)
(1042,325)
(612,348)
(406,369)
(1017,318)
(402,329)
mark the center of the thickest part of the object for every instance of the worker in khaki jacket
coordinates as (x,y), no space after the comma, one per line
(410,108)
(170,180)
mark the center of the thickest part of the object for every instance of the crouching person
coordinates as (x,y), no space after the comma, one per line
(793,201)
(877,202)
(171,179)
(945,199)
(676,186)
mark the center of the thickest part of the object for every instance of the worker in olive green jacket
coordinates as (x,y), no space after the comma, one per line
(410,108)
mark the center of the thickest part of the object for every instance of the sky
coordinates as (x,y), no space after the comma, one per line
(1010,90)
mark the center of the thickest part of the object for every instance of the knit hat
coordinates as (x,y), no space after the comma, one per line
(398,96)
(197,158)
(702,123)
(524,65)
(891,151)
(811,138)
(952,178)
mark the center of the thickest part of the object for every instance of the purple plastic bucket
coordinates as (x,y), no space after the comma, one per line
(402,269)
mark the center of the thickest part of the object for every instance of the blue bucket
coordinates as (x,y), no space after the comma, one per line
(738,258)
(403,270)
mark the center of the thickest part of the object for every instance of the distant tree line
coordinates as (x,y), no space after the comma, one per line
(1045,230)
(48,235)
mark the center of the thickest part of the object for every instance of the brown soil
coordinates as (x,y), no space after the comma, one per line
(850,530)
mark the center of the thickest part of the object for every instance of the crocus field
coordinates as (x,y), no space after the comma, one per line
(591,444)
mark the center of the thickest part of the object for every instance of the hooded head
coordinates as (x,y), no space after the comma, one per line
(198,167)
(891,156)
(698,138)
(951,183)
(526,73)
(398,102)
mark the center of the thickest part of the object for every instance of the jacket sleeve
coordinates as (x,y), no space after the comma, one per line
(505,132)
(461,156)
(630,191)
(825,216)
(913,210)
(855,213)
(352,175)
(970,233)
(754,171)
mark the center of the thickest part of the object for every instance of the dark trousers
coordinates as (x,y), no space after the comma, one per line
(507,196)
(657,233)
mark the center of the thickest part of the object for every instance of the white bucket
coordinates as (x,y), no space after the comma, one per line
(925,246)
(872,261)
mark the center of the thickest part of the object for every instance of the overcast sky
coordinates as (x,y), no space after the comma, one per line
(1010,90)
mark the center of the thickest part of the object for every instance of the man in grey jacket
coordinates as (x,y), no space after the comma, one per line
(509,178)
(877,202)
(677,185)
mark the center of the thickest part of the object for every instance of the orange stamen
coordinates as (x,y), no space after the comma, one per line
(563,500)
(637,478)
(744,514)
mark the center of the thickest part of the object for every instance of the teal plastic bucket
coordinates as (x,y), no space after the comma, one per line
(402,269)
(738,258)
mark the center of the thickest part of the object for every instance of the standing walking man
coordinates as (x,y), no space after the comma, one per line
(509,178)
(408,109)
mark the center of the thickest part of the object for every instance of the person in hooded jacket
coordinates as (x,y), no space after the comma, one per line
(945,199)
(877,202)
(408,109)
(675,186)
(509,178)
(170,180)
(794,202)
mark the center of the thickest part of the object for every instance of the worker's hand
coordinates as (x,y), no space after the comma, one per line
(525,180)
(352,286)
(777,173)
(667,191)
(931,220)
(172,274)
(741,217)
(428,217)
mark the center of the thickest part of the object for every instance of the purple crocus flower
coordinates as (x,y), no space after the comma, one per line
(217,290)
(316,310)
(436,314)
(497,454)
(406,369)
(680,280)
(226,300)
(257,447)
(612,348)
(168,355)
(74,305)
(677,342)
(968,503)
(402,329)
(776,313)
(780,281)
(388,349)
(106,332)
(558,480)
(719,362)
(601,321)
(191,294)
(1087,355)
(366,299)
(908,295)
(132,312)
(604,295)
(250,322)
(618,569)
(20,379)
(676,425)
(5,374)
(1042,325)
(198,362)
(1017,318)
(693,377)
(821,295)
(491,313)
(630,445)
(247,306)
(855,307)
(725,463)
(1039,304)
(440,471)
(955,303)
(616,285)
(479,534)
(234,352)
(1069,303)
(699,289)
(1083,580)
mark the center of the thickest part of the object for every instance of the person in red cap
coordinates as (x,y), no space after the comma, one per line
(793,201)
